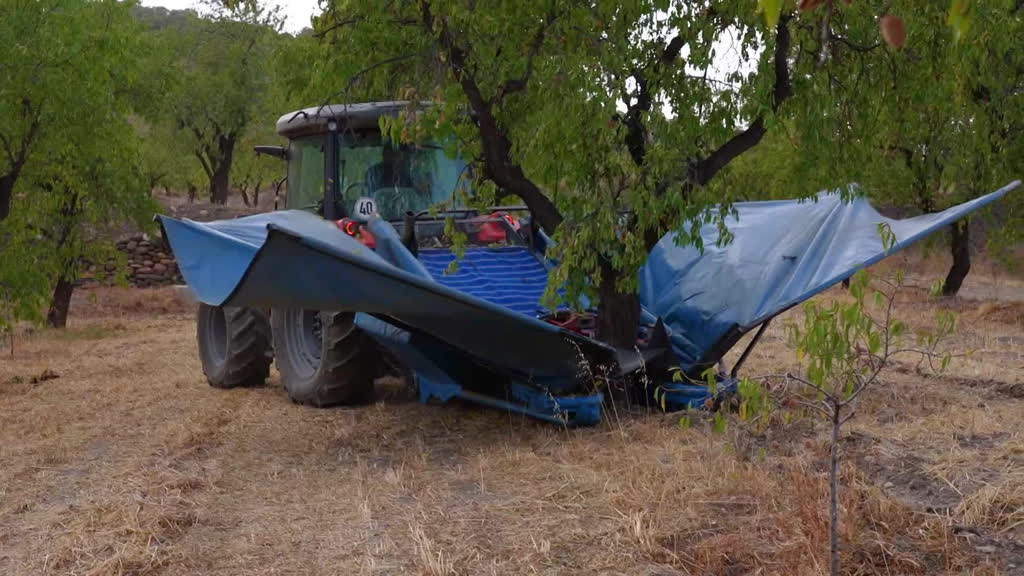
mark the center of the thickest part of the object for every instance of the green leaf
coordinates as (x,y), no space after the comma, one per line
(961,15)
(720,423)
(887,236)
(772,10)
(874,342)
(677,373)
(898,328)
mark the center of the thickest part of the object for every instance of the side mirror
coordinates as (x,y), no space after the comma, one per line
(275,151)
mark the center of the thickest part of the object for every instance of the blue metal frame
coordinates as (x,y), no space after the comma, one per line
(437,372)
(571,411)
(676,396)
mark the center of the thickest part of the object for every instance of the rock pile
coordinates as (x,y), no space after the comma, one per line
(148,263)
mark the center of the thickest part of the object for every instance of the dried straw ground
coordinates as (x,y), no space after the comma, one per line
(127,463)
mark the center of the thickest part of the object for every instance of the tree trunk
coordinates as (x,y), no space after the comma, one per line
(245,197)
(833,501)
(961,249)
(219,184)
(57,316)
(256,194)
(220,178)
(618,314)
(6,191)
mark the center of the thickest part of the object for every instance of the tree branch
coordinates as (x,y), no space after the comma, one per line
(854,46)
(514,85)
(704,170)
(496,147)
(355,77)
(636,135)
(7,148)
(357,19)
(820,410)
(205,164)
(809,384)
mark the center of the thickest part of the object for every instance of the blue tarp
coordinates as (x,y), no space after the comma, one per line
(292,259)
(782,253)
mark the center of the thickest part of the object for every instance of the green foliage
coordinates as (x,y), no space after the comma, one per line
(557,75)
(567,83)
(60,61)
(926,127)
(719,422)
(212,95)
(71,69)
(754,401)
(960,16)
(843,346)
(833,336)
(772,10)
(919,129)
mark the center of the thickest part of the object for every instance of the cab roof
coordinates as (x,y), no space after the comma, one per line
(314,120)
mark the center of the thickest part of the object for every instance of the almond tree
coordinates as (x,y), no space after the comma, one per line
(215,73)
(581,110)
(587,110)
(72,165)
(843,349)
(55,63)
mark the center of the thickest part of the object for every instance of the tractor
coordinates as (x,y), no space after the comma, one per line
(341,168)
(358,278)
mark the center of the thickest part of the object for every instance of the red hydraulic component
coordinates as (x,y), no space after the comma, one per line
(492,231)
(508,218)
(357,231)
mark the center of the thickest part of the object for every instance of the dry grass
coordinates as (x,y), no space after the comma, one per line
(127,463)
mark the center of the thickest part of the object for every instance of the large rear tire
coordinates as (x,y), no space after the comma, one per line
(234,346)
(323,357)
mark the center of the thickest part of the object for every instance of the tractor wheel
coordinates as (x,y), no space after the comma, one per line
(323,357)
(234,345)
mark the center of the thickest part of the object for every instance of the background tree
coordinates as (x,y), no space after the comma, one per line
(215,72)
(80,174)
(166,162)
(253,174)
(55,63)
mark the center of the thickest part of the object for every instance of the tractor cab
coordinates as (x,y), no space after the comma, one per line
(343,168)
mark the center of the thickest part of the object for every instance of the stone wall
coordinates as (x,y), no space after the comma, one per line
(148,263)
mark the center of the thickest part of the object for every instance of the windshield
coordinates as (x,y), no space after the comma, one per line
(399,178)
